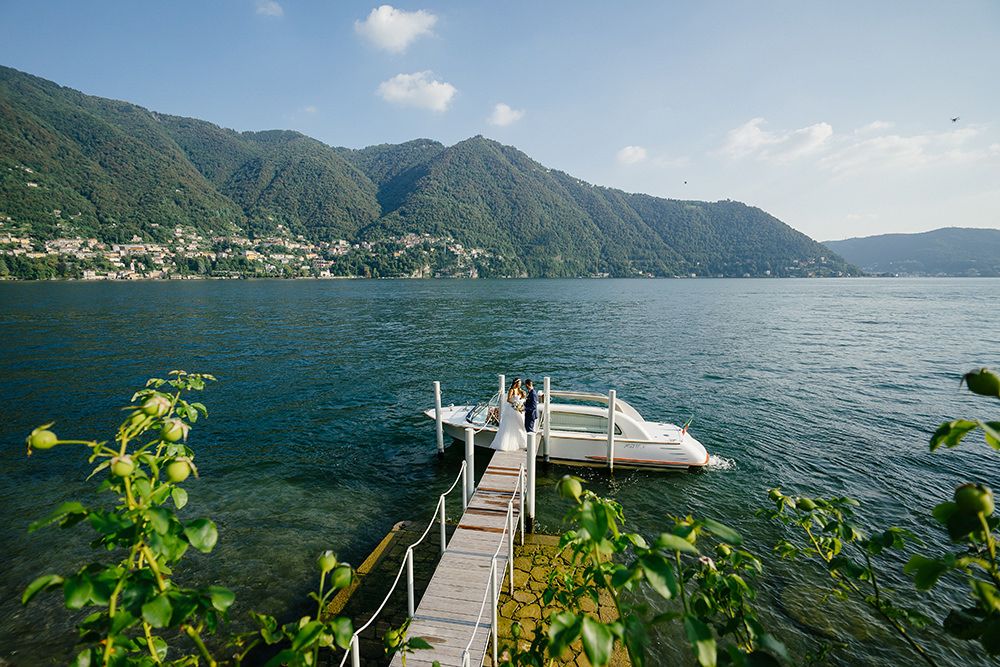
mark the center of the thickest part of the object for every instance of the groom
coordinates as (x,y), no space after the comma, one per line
(530,407)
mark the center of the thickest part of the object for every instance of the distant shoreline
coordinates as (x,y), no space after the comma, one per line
(453,278)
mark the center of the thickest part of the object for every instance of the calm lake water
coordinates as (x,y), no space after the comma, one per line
(315,438)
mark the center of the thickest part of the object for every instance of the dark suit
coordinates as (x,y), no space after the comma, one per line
(530,411)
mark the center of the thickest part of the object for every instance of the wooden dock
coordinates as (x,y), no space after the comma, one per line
(450,607)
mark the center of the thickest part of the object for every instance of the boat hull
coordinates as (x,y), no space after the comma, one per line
(681,451)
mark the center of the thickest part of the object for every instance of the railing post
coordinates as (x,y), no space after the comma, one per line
(444,534)
(520,513)
(510,544)
(409,582)
(438,419)
(611,428)
(547,414)
(470,467)
(532,453)
(495,597)
(355,652)
(503,389)
(465,487)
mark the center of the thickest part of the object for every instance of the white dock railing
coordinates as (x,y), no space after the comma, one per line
(440,514)
(492,591)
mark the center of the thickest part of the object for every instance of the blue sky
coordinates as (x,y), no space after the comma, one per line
(833,116)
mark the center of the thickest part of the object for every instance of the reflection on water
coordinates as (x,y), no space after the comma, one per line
(315,438)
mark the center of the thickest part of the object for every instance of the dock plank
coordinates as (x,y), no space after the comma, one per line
(449,610)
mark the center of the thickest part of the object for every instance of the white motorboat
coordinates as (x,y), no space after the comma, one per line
(577,432)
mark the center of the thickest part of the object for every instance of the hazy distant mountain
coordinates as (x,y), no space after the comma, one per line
(951,251)
(76,165)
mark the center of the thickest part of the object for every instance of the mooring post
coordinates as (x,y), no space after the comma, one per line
(503,389)
(355,652)
(612,397)
(409,583)
(547,414)
(494,598)
(438,418)
(530,465)
(520,510)
(470,468)
(444,534)
(510,543)
(465,486)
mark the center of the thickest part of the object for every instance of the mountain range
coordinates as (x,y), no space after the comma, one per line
(950,251)
(74,165)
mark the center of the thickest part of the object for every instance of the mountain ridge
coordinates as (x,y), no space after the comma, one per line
(947,251)
(116,172)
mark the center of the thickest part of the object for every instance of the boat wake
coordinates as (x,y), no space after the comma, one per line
(720,463)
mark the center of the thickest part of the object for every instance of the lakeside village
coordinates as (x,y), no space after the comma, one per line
(189,255)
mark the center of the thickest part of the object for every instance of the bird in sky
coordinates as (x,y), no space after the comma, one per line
(955,119)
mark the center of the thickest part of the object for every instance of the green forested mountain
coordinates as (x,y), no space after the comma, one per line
(951,251)
(76,165)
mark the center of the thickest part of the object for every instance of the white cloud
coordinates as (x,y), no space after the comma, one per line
(631,155)
(418,90)
(394,29)
(269,8)
(897,152)
(751,140)
(503,115)
(311,108)
(874,126)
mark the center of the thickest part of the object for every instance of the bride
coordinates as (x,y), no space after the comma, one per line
(511,435)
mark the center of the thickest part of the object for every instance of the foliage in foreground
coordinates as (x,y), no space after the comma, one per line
(697,567)
(137,606)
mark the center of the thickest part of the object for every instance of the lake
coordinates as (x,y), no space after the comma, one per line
(315,437)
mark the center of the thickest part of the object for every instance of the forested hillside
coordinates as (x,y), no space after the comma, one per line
(76,166)
(951,251)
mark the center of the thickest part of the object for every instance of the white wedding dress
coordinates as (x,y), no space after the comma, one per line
(511,435)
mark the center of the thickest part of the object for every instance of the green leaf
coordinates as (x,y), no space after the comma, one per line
(660,575)
(723,532)
(991,431)
(564,628)
(990,638)
(944,511)
(672,542)
(593,519)
(342,630)
(77,590)
(962,623)
(44,582)
(84,658)
(950,434)
(202,534)
(418,644)
(598,642)
(180,497)
(66,515)
(702,641)
(159,519)
(157,611)
(286,657)
(925,571)
(221,597)
(307,635)
(989,597)
(342,576)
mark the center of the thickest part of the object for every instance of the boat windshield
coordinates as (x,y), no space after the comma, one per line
(487,413)
(579,422)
